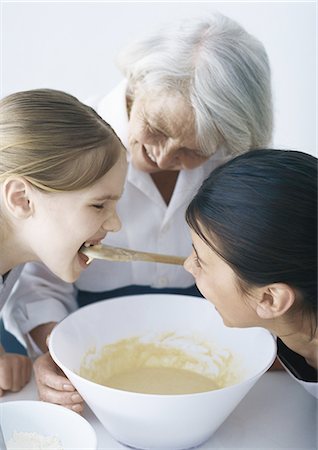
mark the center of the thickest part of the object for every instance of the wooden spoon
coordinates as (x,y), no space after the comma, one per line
(124,254)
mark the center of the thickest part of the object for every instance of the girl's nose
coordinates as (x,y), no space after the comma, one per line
(112,223)
(188,266)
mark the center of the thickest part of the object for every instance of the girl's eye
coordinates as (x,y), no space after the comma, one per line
(101,206)
(196,261)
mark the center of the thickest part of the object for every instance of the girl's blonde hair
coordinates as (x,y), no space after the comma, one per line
(54,141)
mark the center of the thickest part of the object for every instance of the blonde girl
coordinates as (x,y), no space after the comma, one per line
(62,170)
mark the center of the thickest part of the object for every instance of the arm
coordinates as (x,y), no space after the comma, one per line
(38,298)
(53,386)
(40,333)
(38,302)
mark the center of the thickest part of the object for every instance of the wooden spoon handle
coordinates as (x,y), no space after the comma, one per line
(123,254)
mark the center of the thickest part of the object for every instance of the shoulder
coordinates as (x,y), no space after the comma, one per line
(219,158)
(100,101)
(298,368)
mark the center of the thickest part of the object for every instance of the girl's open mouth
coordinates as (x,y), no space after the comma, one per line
(84,259)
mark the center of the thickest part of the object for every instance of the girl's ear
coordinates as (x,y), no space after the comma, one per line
(276,299)
(17,198)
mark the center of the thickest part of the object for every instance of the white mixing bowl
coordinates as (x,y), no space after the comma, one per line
(150,421)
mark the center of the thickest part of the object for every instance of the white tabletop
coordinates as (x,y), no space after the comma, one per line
(277,413)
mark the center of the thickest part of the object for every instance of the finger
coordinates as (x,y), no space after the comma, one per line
(57,382)
(26,371)
(20,365)
(5,375)
(78,407)
(58,397)
(17,376)
(49,374)
(48,377)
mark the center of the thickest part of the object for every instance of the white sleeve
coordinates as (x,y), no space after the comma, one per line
(38,297)
(309,386)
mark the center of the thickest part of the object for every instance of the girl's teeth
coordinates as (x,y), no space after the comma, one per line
(89,244)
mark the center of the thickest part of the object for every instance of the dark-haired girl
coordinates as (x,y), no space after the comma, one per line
(254,232)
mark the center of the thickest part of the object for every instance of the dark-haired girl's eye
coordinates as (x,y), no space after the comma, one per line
(196,261)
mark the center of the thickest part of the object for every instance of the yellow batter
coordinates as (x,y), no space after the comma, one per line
(158,367)
(161,380)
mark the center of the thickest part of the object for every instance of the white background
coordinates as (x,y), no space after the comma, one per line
(72,46)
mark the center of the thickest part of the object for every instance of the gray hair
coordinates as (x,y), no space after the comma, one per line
(219,68)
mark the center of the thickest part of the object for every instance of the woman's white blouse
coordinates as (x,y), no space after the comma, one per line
(7,286)
(311,387)
(148,224)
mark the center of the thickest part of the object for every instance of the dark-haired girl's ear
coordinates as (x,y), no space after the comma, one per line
(275,301)
(16,198)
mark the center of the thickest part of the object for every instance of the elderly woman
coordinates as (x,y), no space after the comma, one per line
(192,97)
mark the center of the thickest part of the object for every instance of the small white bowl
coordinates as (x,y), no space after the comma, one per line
(150,421)
(47,419)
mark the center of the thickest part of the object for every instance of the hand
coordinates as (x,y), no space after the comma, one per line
(15,372)
(53,386)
